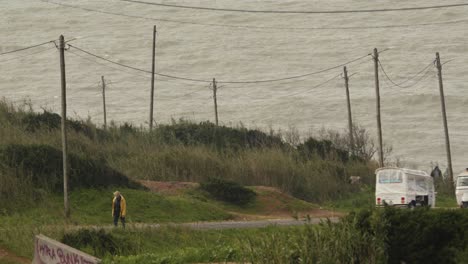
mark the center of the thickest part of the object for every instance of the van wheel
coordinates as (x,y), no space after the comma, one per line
(412,205)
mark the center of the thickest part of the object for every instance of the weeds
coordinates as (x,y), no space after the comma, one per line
(228,191)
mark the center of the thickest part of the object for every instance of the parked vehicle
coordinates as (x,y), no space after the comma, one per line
(461,189)
(404,187)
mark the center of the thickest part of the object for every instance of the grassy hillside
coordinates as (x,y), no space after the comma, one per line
(30,150)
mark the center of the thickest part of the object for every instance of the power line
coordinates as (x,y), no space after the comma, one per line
(297,11)
(297,76)
(26,48)
(314,87)
(78,55)
(411,78)
(27,55)
(418,80)
(225,82)
(138,69)
(256,27)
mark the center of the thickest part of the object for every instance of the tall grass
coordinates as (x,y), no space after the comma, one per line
(189,152)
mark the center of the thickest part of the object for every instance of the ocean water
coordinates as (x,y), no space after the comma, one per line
(289,44)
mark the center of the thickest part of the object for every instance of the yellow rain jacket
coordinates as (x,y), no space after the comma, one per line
(123,206)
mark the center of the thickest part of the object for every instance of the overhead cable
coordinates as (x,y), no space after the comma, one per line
(424,70)
(257,27)
(26,48)
(299,76)
(27,55)
(298,11)
(138,69)
(314,87)
(118,69)
(209,81)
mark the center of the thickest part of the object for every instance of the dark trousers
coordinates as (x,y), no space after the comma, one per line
(116,220)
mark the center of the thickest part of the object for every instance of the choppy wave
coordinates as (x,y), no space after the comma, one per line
(411,117)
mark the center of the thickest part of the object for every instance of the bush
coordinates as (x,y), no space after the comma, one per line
(220,137)
(44,164)
(100,242)
(417,236)
(228,191)
(323,149)
(426,236)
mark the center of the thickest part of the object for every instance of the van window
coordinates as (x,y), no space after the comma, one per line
(462,181)
(390,176)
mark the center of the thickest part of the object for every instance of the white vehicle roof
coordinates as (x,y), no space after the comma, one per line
(464,173)
(408,171)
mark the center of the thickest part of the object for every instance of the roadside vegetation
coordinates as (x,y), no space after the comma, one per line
(222,163)
(386,235)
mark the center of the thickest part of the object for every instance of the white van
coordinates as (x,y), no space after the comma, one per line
(404,187)
(461,190)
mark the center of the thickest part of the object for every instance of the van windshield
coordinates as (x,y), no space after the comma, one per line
(462,181)
(390,176)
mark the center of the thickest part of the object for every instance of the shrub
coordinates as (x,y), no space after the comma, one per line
(220,137)
(228,191)
(44,164)
(323,149)
(100,242)
(417,236)
(426,236)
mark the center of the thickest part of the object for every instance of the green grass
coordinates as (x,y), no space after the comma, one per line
(182,245)
(364,199)
(446,200)
(93,207)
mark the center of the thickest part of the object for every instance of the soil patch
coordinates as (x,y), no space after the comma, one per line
(8,257)
(168,188)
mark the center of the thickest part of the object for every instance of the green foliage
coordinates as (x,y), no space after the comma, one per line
(343,242)
(219,137)
(101,242)
(426,236)
(185,151)
(47,120)
(324,149)
(228,191)
(217,253)
(44,164)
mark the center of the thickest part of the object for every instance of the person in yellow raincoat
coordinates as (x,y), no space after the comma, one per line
(119,208)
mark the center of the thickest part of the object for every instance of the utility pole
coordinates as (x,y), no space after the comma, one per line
(215,100)
(104,101)
(377,93)
(444,117)
(152,80)
(64,128)
(350,118)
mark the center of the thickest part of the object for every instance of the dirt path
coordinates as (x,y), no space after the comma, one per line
(252,224)
(8,257)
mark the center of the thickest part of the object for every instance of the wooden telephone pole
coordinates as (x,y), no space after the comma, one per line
(215,100)
(152,81)
(444,117)
(377,93)
(350,118)
(64,128)
(104,101)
